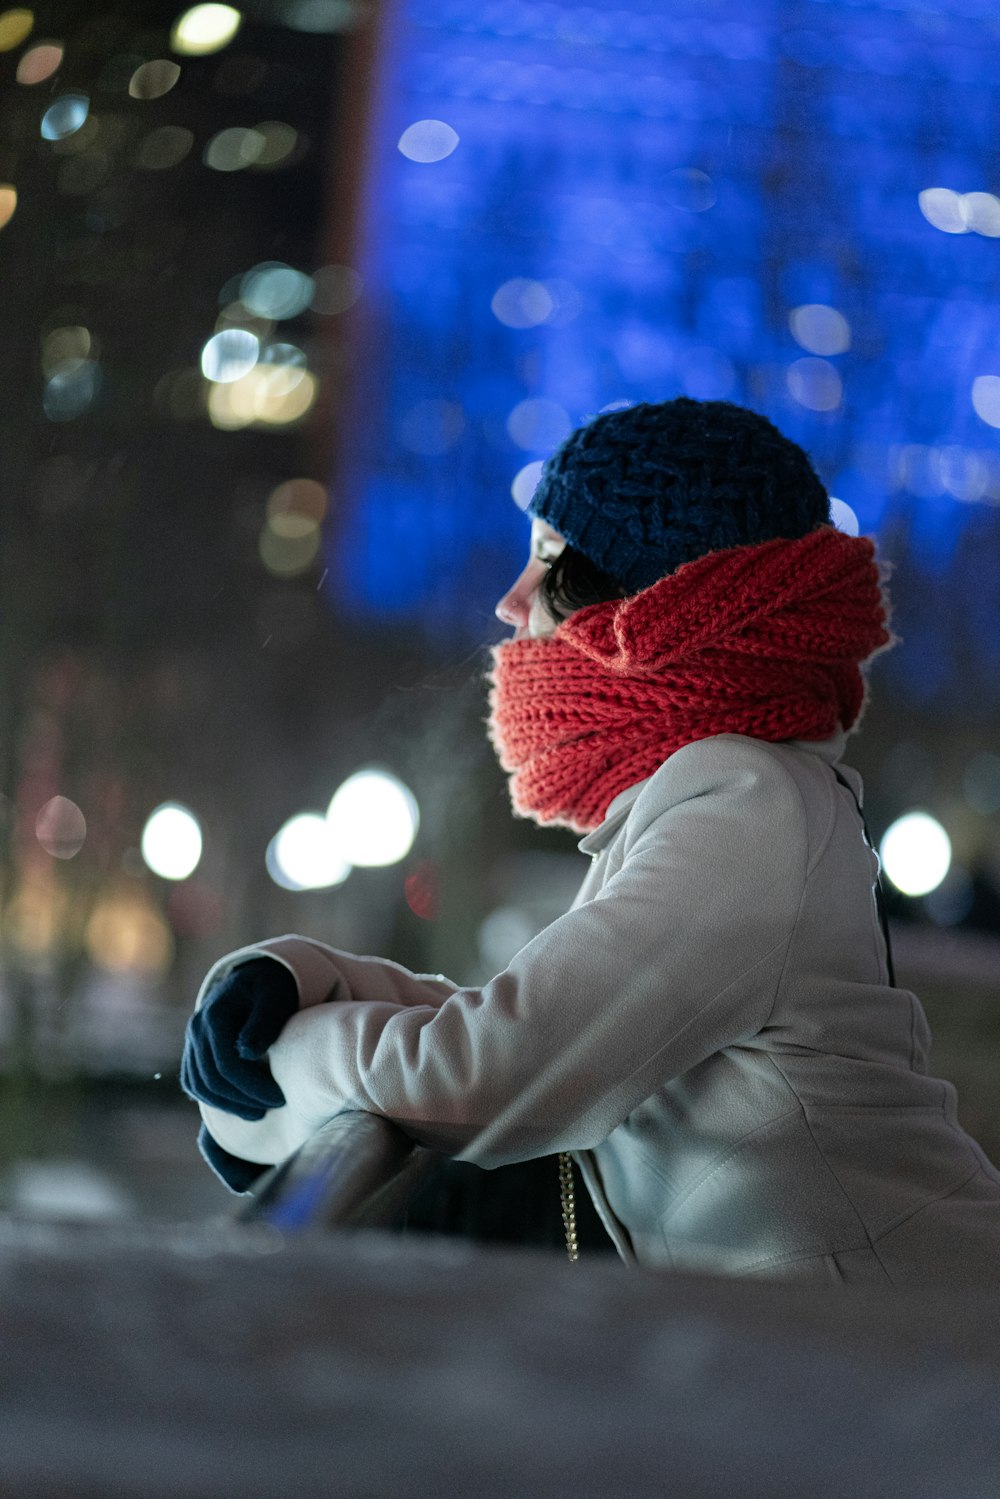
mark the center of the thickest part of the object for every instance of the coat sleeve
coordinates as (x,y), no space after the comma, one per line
(323,973)
(678,955)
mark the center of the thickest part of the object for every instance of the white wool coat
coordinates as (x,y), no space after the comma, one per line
(710,1030)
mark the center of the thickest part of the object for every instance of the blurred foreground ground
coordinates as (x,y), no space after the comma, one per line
(149,1362)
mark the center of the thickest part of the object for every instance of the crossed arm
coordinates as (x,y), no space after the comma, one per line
(679,955)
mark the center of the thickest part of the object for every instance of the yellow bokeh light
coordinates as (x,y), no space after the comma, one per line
(34,917)
(205,29)
(305,498)
(283,377)
(15,25)
(276,404)
(287,555)
(261,395)
(292,526)
(126,934)
(151,80)
(66,349)
(39,63)
(231,406)
(8,203)
(280,140)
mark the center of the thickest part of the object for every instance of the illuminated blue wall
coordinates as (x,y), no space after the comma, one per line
(681,178)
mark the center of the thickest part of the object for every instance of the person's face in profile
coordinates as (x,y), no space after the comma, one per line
(521,606)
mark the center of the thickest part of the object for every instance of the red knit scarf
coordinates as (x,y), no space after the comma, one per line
(762,640)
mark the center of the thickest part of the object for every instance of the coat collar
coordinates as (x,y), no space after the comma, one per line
(829,750)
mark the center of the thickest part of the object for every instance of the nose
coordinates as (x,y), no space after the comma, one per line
(512,609)
(515,606)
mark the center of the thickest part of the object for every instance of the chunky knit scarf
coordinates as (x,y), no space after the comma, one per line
(765,640)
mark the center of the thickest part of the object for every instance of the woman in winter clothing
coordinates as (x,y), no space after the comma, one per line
(713,1030)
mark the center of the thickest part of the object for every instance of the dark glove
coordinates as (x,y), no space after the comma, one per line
(238,1175)
(225,1050)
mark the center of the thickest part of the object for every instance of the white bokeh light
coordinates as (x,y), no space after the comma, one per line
(981,211)
(524,303)
(916,853)
(171,841)
(843,517)
(964,472)
(276,290)
(815,384)
(373,819)
(302,855)
(526,482)
(819,328)
(233,149)
(942,207)
(204,29)
(986,399)
(521,303)
(428,140)
(61,828)
(961,213)
(229,355)
(539,424)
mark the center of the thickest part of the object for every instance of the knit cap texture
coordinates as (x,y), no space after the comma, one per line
(641,491)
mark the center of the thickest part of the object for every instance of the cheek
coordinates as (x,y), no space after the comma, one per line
(540,621)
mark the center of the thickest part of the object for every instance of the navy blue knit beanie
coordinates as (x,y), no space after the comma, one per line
(641,490)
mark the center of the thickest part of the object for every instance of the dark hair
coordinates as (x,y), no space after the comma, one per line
(573,581)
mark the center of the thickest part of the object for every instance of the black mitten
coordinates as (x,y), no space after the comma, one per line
(225,1049)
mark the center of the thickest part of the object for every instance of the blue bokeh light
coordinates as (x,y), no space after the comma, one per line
(65,116)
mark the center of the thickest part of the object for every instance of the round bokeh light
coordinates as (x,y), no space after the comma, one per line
(171,841)
(204,29)
(151,80)
(303,856)
(65,117)
(39,63)
(229,355)
(373,819)
(916,853)
(15,26)
(428,141)
(525,483)
(275,290)
(61,828)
